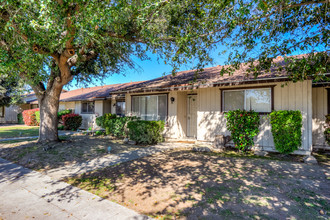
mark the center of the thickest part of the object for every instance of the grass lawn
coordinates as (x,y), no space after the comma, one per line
(18,131)
(72,149)
(182,184)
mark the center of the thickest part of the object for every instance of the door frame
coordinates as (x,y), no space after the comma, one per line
(189,96)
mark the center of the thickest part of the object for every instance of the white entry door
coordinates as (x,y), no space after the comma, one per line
(192,116)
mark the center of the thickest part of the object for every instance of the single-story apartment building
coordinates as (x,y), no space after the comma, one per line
(94,101)
(194,106)
(88,102)
(9,114)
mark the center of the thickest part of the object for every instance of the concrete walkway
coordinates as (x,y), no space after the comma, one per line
(32,195)
(60,133)
(109,160)
(26,194)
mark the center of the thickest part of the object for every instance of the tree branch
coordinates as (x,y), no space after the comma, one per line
(149,17)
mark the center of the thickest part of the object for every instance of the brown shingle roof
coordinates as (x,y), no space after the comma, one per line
(209,77)
(93,93)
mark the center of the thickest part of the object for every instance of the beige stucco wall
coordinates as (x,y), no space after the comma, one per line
(320,105)
(211,122)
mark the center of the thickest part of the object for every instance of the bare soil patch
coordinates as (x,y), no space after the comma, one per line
(181,184)
(73,149)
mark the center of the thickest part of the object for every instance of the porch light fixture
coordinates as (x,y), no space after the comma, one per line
(172,100)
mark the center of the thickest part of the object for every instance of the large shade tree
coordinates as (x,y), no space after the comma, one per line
(50,42)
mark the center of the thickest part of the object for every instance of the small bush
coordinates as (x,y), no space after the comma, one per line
(98,133)
(100,120)
(117,126)
(286,130)
(327,129)
(29,117)
(146,132)
(63,112)
(244,126)
(37,113)
(71,121)
(61,127)
(20,118)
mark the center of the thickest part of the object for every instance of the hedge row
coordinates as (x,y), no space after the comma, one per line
(70,121)
(143,132)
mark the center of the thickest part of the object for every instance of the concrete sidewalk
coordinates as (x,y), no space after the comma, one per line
(109,160)
(26,194)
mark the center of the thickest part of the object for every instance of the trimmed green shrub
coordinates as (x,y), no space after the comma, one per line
(63,112)
(117,126)
(244,126)
(100,120)
(146,132)
(20,118)
(61,127)
(327,129)
(286,130)
(37,113)
(71,121)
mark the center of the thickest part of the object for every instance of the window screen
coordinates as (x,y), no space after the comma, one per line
(151,108)
(259,100)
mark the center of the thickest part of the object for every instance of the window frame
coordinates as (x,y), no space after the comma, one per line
(121,101)
(84,102)
(248,88)
(152,94)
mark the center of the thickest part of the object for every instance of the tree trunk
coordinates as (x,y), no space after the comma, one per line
(49,99)
(48,105)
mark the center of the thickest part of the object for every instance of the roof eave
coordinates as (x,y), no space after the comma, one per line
(205,85)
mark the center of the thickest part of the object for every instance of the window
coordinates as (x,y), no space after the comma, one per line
(151,108)
(259,99)
(2,111)
(120,108)
(87,108)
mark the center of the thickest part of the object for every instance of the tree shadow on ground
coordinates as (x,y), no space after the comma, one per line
(72,150)
(184,184)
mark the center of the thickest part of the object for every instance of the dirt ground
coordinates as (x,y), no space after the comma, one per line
(73,149)
(182,184)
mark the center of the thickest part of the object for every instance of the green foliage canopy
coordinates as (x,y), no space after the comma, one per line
(98,38)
